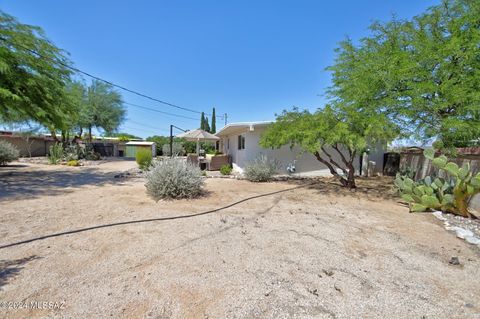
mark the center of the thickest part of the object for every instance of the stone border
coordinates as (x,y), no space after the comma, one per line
(461,232)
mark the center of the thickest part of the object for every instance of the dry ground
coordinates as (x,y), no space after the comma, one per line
(311,252)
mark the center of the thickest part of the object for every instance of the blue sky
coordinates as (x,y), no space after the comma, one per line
(249,59)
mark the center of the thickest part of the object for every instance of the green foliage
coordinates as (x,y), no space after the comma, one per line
(422,73)
(261,169)
(55,154)
(143,158)
(438,193)
(426,194)
(8,153)
(125,137)
(207,126)
(213,130)
(202,121)
(177,149)
(173,178)
(73,152)
(226,169)
(160,141)
(334,130)
(103,108)
(31,88)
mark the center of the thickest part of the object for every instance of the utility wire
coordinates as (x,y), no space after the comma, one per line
(139,129)
(161,112)
(148,126)
(105,81)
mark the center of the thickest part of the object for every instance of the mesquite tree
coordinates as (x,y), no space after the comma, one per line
(334,135)
(424,73)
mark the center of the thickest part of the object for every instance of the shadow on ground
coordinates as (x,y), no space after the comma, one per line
(372,188)
(9,269)
(16,182)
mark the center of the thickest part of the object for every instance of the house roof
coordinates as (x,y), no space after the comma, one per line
(139,143)
(241,126)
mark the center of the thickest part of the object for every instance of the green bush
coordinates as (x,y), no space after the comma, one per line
(8,153)
(143,158)
(226,170)
(55,154)
(173,178)
(177,149)
(261,169)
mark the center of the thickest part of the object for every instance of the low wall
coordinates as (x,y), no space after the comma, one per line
(33,146)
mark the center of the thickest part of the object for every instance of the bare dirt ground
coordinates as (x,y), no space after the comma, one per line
(312,252)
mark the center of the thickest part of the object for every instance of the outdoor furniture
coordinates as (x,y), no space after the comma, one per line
(203,163)
(217,161)
(192,159)
(199,136)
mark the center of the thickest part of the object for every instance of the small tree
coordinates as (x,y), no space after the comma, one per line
(213,130)
(328,132)
(202,121)
(207,126)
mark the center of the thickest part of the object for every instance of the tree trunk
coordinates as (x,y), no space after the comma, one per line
(90,133)
(461,204)
(54,135)
(348,182)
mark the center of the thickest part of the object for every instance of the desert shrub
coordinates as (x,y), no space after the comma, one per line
(8,153)
(55,154)
(73,152)
(73,163)
(260,169)
(90,154)
(226,170)
(143,158)
(173,178)
(451,195)
(177,149)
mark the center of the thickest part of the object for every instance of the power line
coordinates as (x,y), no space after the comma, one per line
(139,129)
(161,112)
(105,81)
(148,126)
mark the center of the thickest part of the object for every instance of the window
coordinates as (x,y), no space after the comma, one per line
(228,143)
(241,142)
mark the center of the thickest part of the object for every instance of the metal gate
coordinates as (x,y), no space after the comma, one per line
(103,149)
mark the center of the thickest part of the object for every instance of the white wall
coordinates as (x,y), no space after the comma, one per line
(306,163)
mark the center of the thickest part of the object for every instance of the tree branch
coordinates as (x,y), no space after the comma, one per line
(332,161)
(343,181)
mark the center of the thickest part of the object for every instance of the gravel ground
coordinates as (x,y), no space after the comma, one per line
(312,252)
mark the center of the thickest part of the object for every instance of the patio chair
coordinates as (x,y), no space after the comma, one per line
(192,159)
(217,161)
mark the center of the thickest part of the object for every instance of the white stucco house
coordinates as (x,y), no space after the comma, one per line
(241,142)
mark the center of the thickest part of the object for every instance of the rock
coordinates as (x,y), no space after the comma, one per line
(329,273)
(313,291)
(439,215)
(472,240)
(461,232)
(454,261)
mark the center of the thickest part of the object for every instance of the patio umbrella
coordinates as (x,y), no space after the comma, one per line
(199,136)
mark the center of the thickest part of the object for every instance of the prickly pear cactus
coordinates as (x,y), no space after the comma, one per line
(425,194)
(465,186)
(440,194)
